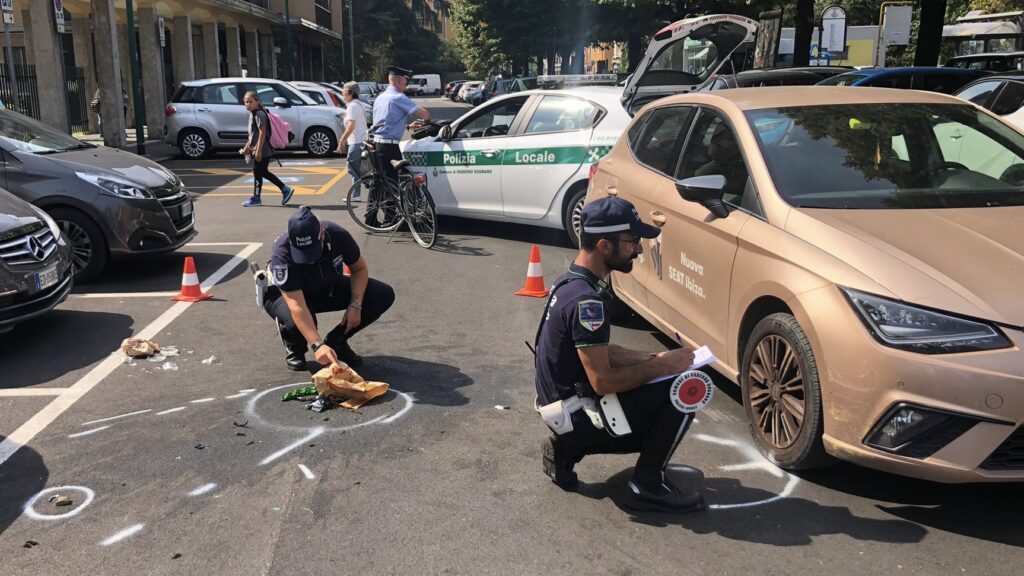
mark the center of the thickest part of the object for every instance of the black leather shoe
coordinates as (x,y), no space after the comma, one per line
(663,496)
(346,354)
(295,359)
(559,459)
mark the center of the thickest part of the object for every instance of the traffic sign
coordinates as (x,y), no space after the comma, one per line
(833,29)
(7,5)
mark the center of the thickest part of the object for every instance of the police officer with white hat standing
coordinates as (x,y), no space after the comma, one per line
(576,365)
(391,112)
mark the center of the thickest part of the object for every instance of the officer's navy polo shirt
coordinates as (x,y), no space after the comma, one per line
(575,318)
(339,249)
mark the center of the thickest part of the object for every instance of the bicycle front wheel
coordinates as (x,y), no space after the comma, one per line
(373,205)
(420,214)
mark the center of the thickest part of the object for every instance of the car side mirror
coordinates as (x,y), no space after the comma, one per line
(446,133)
(280,101)
(706,191)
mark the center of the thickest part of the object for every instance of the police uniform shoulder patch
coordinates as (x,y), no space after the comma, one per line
(591,314)
(280,274)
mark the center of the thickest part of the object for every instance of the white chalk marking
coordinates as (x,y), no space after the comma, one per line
(765,466)
(316,432)
(202,489)
(87,432)
(116,417)
(716,440)
(400,413)
(247,390)
(239,395)
(33,392)
(790,486)
(122,295)
(126,533)
(29,511)
(250,410)
(27,431)
(306,472)
(202,400)
(178,409)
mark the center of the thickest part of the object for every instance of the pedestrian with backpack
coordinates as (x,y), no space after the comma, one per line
(259,147)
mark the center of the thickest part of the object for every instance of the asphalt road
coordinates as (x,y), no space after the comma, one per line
(198,467)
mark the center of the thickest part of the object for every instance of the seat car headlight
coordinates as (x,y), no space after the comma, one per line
(900,325)
(117,186)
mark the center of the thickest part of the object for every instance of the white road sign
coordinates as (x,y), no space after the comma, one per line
(896,25)
(833,29)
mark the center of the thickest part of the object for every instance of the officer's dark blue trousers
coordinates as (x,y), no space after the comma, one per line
(378,298)
(657,429)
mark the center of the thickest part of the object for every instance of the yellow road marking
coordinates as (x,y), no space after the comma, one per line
(330,183)
(299,190)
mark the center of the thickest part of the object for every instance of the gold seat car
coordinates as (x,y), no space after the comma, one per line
(855,268)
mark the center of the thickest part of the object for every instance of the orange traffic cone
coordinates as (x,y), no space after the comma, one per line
(534,277)
(190,290)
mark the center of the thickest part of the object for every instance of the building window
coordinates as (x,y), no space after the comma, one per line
(323,13)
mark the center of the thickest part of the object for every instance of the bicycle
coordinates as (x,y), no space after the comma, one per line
(379,204)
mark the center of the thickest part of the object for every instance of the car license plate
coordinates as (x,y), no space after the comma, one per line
(47,278)
(186,209)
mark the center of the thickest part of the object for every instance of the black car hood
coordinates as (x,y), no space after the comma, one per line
(117,162)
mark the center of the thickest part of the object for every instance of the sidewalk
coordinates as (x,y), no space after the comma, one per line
(156,150)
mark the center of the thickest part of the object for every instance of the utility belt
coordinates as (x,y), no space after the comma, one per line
(385,141)
(604,412)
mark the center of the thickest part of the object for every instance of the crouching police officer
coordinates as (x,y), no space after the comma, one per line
(307,269)
(576,364)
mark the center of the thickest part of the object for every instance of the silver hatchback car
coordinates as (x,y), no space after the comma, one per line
(208,115)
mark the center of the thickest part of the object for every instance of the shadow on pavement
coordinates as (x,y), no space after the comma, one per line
(49,346)
(784,522)
(983,511)
(427,382)
(452,225)
(21,477)
(159,272)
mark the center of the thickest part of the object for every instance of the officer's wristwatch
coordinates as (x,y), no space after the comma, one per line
(316,345)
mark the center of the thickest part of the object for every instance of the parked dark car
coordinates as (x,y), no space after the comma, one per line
(796,76)
(35,262)
(928,78)
(990,61)
(1001,94)
(107,202)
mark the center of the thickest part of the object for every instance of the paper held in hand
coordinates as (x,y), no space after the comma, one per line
(701,357)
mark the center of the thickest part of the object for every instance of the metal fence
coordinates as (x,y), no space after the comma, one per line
(27,99)
(78,100)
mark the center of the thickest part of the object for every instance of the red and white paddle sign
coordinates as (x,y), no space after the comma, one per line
(691,391)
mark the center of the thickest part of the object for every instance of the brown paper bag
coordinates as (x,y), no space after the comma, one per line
(138,348)
(342,381)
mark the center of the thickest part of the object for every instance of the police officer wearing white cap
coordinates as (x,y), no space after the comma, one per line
(307,269)
(391,112)
(576,364)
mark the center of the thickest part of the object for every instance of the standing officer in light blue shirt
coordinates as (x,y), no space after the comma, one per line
(391,111)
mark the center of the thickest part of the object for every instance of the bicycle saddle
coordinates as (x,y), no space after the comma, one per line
(399,164)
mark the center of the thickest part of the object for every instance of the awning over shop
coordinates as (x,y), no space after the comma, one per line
(972,29)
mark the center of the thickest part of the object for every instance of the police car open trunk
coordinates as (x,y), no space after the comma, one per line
(684,56)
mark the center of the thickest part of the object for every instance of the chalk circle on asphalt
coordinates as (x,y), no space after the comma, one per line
(30,511)
(268,409)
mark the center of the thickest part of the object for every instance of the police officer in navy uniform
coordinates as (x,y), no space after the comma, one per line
(576,359)
(391,112)
(307,270)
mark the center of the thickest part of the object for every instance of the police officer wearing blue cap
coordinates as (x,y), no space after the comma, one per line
(576,364)
(391,112)
(307,270)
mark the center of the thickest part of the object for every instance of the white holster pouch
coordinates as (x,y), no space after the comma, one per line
(614,418)
(259,276)
(558,415)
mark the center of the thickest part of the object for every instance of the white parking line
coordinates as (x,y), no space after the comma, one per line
(27,431)
(123,295)
(33,392)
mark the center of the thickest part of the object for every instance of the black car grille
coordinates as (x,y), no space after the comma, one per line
(1009,455)
(28,249)
(176,207)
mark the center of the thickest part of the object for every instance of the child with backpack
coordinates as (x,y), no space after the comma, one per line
(260,146)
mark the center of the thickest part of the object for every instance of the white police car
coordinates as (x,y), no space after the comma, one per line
(526,157)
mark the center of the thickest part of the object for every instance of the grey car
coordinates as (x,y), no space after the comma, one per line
(108,203)
(208,115)
(35,262)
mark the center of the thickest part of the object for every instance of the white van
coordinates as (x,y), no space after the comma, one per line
(426,84)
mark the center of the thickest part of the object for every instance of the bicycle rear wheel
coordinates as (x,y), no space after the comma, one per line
(420,214)
(373,205)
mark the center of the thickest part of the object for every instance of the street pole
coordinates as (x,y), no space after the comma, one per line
(351,42)
(12,77)
(288,39)
(133,56)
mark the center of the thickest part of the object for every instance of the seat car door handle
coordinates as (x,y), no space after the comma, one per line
(658,218)
(611,190)
(490,153)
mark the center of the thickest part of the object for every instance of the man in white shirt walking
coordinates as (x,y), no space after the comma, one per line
(355,128)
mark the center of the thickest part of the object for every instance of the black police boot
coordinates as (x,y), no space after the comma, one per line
(660,495)
(559,458)
(296,358)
